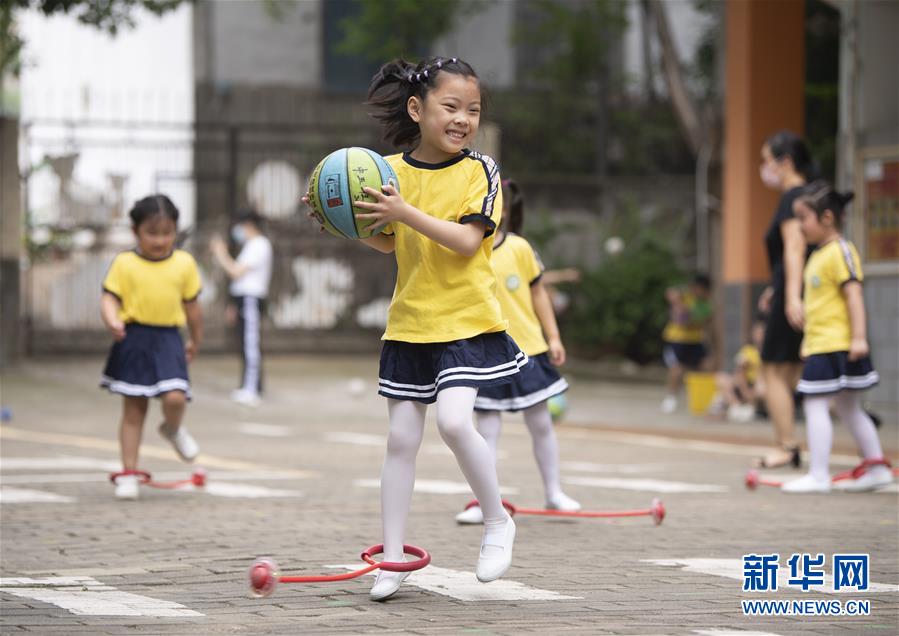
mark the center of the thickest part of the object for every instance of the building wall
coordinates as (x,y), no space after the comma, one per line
(484,40)
(765,73)
(10,240)
(877,126)
(241,42)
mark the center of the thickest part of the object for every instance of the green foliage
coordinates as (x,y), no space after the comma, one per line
(10,42)
(649,141)
(619,308)
(385,29)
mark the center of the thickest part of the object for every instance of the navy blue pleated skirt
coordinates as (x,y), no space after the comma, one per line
(536,383)
(825,373)
(150,361)
(418,371)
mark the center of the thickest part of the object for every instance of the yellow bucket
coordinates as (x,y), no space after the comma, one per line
(701,389)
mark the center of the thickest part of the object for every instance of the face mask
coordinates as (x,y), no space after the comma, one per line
(769,176)
(238,234)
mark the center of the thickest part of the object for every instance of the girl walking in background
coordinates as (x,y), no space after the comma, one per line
(835,347)
(148,294)
(532,324)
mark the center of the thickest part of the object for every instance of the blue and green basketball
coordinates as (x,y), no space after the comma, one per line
(337,183)
(557,405)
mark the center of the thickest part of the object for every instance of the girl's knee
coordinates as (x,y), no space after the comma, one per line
(454,428)
(174,398)
(405,445)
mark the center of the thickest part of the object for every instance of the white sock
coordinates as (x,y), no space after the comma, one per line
(455,407)
(819,431)
(407,419)
(546,447)
(848,406)
(489,426)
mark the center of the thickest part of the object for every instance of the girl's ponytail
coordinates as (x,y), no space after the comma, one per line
(820,197)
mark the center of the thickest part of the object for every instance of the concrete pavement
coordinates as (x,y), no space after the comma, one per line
(296,480)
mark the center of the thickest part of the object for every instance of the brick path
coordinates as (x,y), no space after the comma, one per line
(193,548)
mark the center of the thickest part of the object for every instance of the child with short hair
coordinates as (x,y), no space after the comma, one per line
(740,392)
(835,347)
(148,294)
(685,334)
(446,335)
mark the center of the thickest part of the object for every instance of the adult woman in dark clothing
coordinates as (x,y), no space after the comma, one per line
(786,166)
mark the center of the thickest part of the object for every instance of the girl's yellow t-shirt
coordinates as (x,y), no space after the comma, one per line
(517,268)
(153,292)
(440,295)
(827,328)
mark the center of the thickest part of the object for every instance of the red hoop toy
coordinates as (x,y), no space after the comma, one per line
(656,510)
(197,478)
(754,480)
(264,574)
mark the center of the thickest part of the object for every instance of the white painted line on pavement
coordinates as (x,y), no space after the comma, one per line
(359,439)
(85,478)
(380,441)
(146,450)
(62,462)
(433,486)
(464,586)
(85,596)
(23,495)
(615,469)
(731,632)
(218,489)
(264,430)
(676,443)
(733,569)
(643,485)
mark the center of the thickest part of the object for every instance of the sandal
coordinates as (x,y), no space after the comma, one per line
(794,459)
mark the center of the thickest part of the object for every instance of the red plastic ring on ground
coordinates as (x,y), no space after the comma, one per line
(142,475)
(507,505)
(395,566)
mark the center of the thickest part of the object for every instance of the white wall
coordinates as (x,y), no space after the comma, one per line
(76,72)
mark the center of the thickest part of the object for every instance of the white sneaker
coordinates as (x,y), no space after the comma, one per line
(181,441)
(127,487)
(473,515)
(386,585)
(806,484)
(741,413)
(496,553)
(564,503)
(245,397)
(669,404)
(876,477)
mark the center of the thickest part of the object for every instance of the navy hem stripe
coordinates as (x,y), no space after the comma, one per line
(480,218)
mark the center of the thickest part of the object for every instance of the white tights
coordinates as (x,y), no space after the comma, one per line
(819,429)
(543,442)
(455,406)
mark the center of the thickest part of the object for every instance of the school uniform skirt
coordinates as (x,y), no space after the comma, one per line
(418,371)
(825,373)
(536,383)
(149,361)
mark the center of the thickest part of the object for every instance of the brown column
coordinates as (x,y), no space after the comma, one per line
(764,80)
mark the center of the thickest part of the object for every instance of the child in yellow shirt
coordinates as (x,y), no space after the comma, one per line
(834,347)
